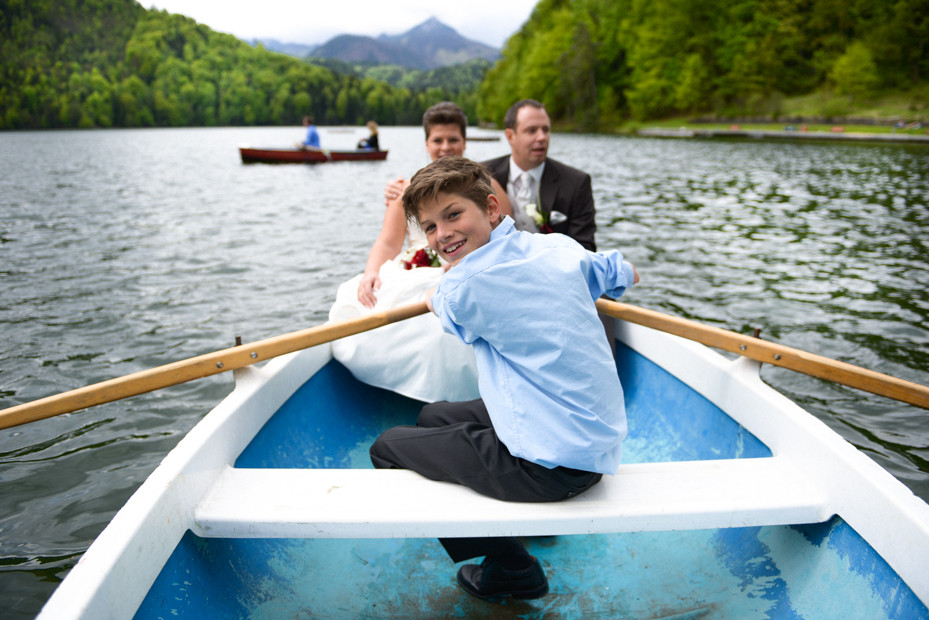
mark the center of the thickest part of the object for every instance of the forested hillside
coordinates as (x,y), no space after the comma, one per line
(598,62)
(594,63)
(111,63)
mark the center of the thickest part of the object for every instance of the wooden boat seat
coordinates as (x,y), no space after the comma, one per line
(367,503)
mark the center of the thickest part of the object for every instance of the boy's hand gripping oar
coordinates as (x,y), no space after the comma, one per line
(200,366)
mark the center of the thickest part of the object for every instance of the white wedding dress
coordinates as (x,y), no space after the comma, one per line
(413,357)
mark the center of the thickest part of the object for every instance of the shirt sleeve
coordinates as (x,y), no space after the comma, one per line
(441,306)
(609,274)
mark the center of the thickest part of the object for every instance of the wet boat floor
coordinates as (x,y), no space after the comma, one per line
(809,571)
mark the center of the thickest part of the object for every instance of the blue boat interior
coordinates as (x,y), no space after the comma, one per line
(802,571)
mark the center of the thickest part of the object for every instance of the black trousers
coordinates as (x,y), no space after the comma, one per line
(456,442)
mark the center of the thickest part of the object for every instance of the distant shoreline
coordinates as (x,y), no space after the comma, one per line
(792,134)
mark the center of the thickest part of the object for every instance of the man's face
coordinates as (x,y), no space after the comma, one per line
(455,226)
(444,141)
(529,140)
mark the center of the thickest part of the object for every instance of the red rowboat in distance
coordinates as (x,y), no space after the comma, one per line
(306,156)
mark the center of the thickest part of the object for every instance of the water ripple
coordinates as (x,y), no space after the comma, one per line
(157,245)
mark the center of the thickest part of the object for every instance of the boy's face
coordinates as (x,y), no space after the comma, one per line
(456,226)
(445,140)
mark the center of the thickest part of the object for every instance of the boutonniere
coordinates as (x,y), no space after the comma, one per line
(543,220)
(420,257)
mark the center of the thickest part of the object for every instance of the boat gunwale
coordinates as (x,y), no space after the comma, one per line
(820,452)
(271,155)
(107,578)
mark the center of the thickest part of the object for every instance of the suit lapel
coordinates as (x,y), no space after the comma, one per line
(501,171)
(548,188)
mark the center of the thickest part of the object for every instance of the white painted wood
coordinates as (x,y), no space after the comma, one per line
(813,474)
(112,578)
(359,503)
(875,504)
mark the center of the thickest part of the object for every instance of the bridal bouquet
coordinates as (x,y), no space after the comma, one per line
(419,257)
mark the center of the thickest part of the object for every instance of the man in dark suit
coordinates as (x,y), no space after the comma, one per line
(559,197)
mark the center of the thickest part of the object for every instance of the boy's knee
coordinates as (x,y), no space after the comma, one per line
(380,454)
(390,449)
(432,415)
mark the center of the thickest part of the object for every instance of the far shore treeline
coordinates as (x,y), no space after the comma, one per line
(596,64)
(112,63)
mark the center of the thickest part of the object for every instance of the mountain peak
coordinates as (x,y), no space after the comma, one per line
(431,25)
(429,45)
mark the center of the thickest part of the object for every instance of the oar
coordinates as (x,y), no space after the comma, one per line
(245,355)
(200,366)
(774,354)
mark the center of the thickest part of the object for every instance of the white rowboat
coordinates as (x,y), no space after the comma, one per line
(732,502)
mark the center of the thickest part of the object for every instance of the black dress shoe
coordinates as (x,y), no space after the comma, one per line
(490,580)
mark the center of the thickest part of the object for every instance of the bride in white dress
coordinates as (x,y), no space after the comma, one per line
(412,357)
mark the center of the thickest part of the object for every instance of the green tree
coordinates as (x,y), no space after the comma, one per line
(855,73)
(110,62)
(693,85)
(593,63)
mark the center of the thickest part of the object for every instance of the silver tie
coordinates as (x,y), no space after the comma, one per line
(524,194)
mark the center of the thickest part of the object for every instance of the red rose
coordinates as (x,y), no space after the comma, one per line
(421,258)
(424,257)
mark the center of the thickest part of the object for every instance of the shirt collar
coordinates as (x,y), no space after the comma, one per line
(536,172)
(505,227)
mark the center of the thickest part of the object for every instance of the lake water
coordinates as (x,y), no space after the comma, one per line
(128,249)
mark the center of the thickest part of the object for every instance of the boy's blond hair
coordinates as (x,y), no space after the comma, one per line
(449,175)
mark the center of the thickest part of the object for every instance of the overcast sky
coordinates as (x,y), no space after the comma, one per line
(317,21)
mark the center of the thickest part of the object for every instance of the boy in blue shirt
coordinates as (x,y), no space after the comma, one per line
(551,419)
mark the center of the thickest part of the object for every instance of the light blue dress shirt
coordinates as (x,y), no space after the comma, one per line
(546,372)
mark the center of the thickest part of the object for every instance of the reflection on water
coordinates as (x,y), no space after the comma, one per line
(125,250)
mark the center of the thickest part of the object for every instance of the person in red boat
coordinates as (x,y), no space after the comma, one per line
(413,357)
(312,136)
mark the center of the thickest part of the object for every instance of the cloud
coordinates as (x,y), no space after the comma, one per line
(310,22)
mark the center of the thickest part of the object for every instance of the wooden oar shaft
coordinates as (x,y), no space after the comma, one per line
(774,354)
(247,354)
(200,366)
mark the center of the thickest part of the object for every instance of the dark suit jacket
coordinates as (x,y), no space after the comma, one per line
(563,189)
